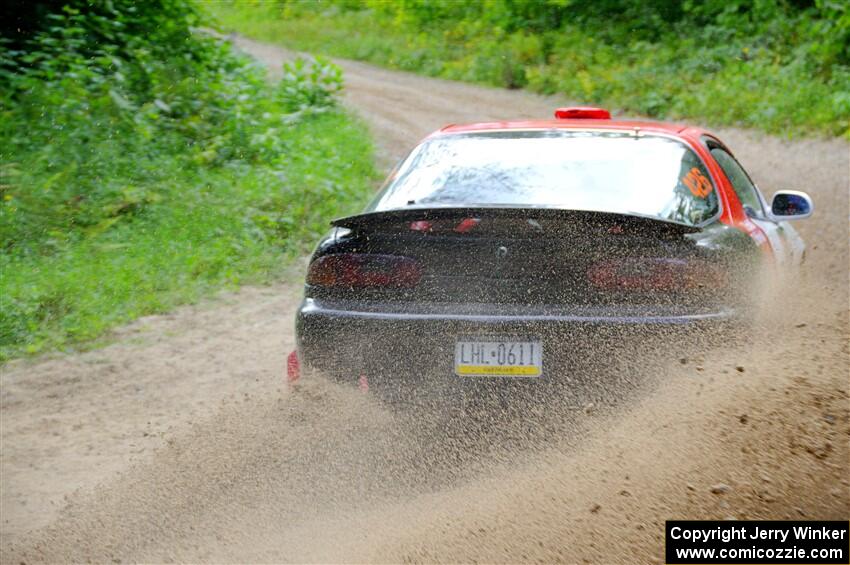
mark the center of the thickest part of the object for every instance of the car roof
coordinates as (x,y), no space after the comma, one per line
(569,124)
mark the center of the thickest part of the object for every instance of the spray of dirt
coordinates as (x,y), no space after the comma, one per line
(757,428)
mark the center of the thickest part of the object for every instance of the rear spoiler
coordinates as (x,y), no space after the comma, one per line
(373,220)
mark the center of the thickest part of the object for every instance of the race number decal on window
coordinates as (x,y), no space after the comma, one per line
(697,183)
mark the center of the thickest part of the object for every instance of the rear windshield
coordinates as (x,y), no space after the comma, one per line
(605,172)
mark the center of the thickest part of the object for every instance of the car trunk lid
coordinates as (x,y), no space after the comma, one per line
(524,255)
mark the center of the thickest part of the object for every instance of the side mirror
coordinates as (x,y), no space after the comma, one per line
(791,205)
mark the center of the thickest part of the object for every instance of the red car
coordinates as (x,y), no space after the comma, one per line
(494,251)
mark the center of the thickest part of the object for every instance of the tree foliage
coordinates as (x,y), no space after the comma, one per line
(103,89)
(779,65)
(142,161)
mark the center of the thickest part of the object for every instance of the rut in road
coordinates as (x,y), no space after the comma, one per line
(178,442)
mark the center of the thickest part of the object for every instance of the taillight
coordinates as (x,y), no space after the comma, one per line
(467,224)
(646,274)
(354,270)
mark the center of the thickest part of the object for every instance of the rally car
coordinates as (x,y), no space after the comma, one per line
(494,249)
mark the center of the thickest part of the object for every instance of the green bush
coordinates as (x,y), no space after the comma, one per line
(781,66)
(306,87)
(143,165)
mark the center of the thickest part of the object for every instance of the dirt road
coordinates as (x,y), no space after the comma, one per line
(178,442)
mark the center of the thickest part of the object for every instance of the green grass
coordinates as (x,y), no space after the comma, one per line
(144,165)
(719,76)
(209,230)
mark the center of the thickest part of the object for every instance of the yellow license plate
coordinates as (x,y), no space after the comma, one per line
(494,357)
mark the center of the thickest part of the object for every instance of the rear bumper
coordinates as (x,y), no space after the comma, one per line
(447,313)
(412,346)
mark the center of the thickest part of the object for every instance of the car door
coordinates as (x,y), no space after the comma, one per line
(786,243)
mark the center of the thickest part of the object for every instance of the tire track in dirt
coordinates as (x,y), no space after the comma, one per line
(183,446)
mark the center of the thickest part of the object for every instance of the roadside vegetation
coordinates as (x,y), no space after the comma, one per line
(782,66)
(143,165)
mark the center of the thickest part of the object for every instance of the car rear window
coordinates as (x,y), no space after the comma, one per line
(608,172)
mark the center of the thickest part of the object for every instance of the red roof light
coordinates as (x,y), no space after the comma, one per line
(582,113)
